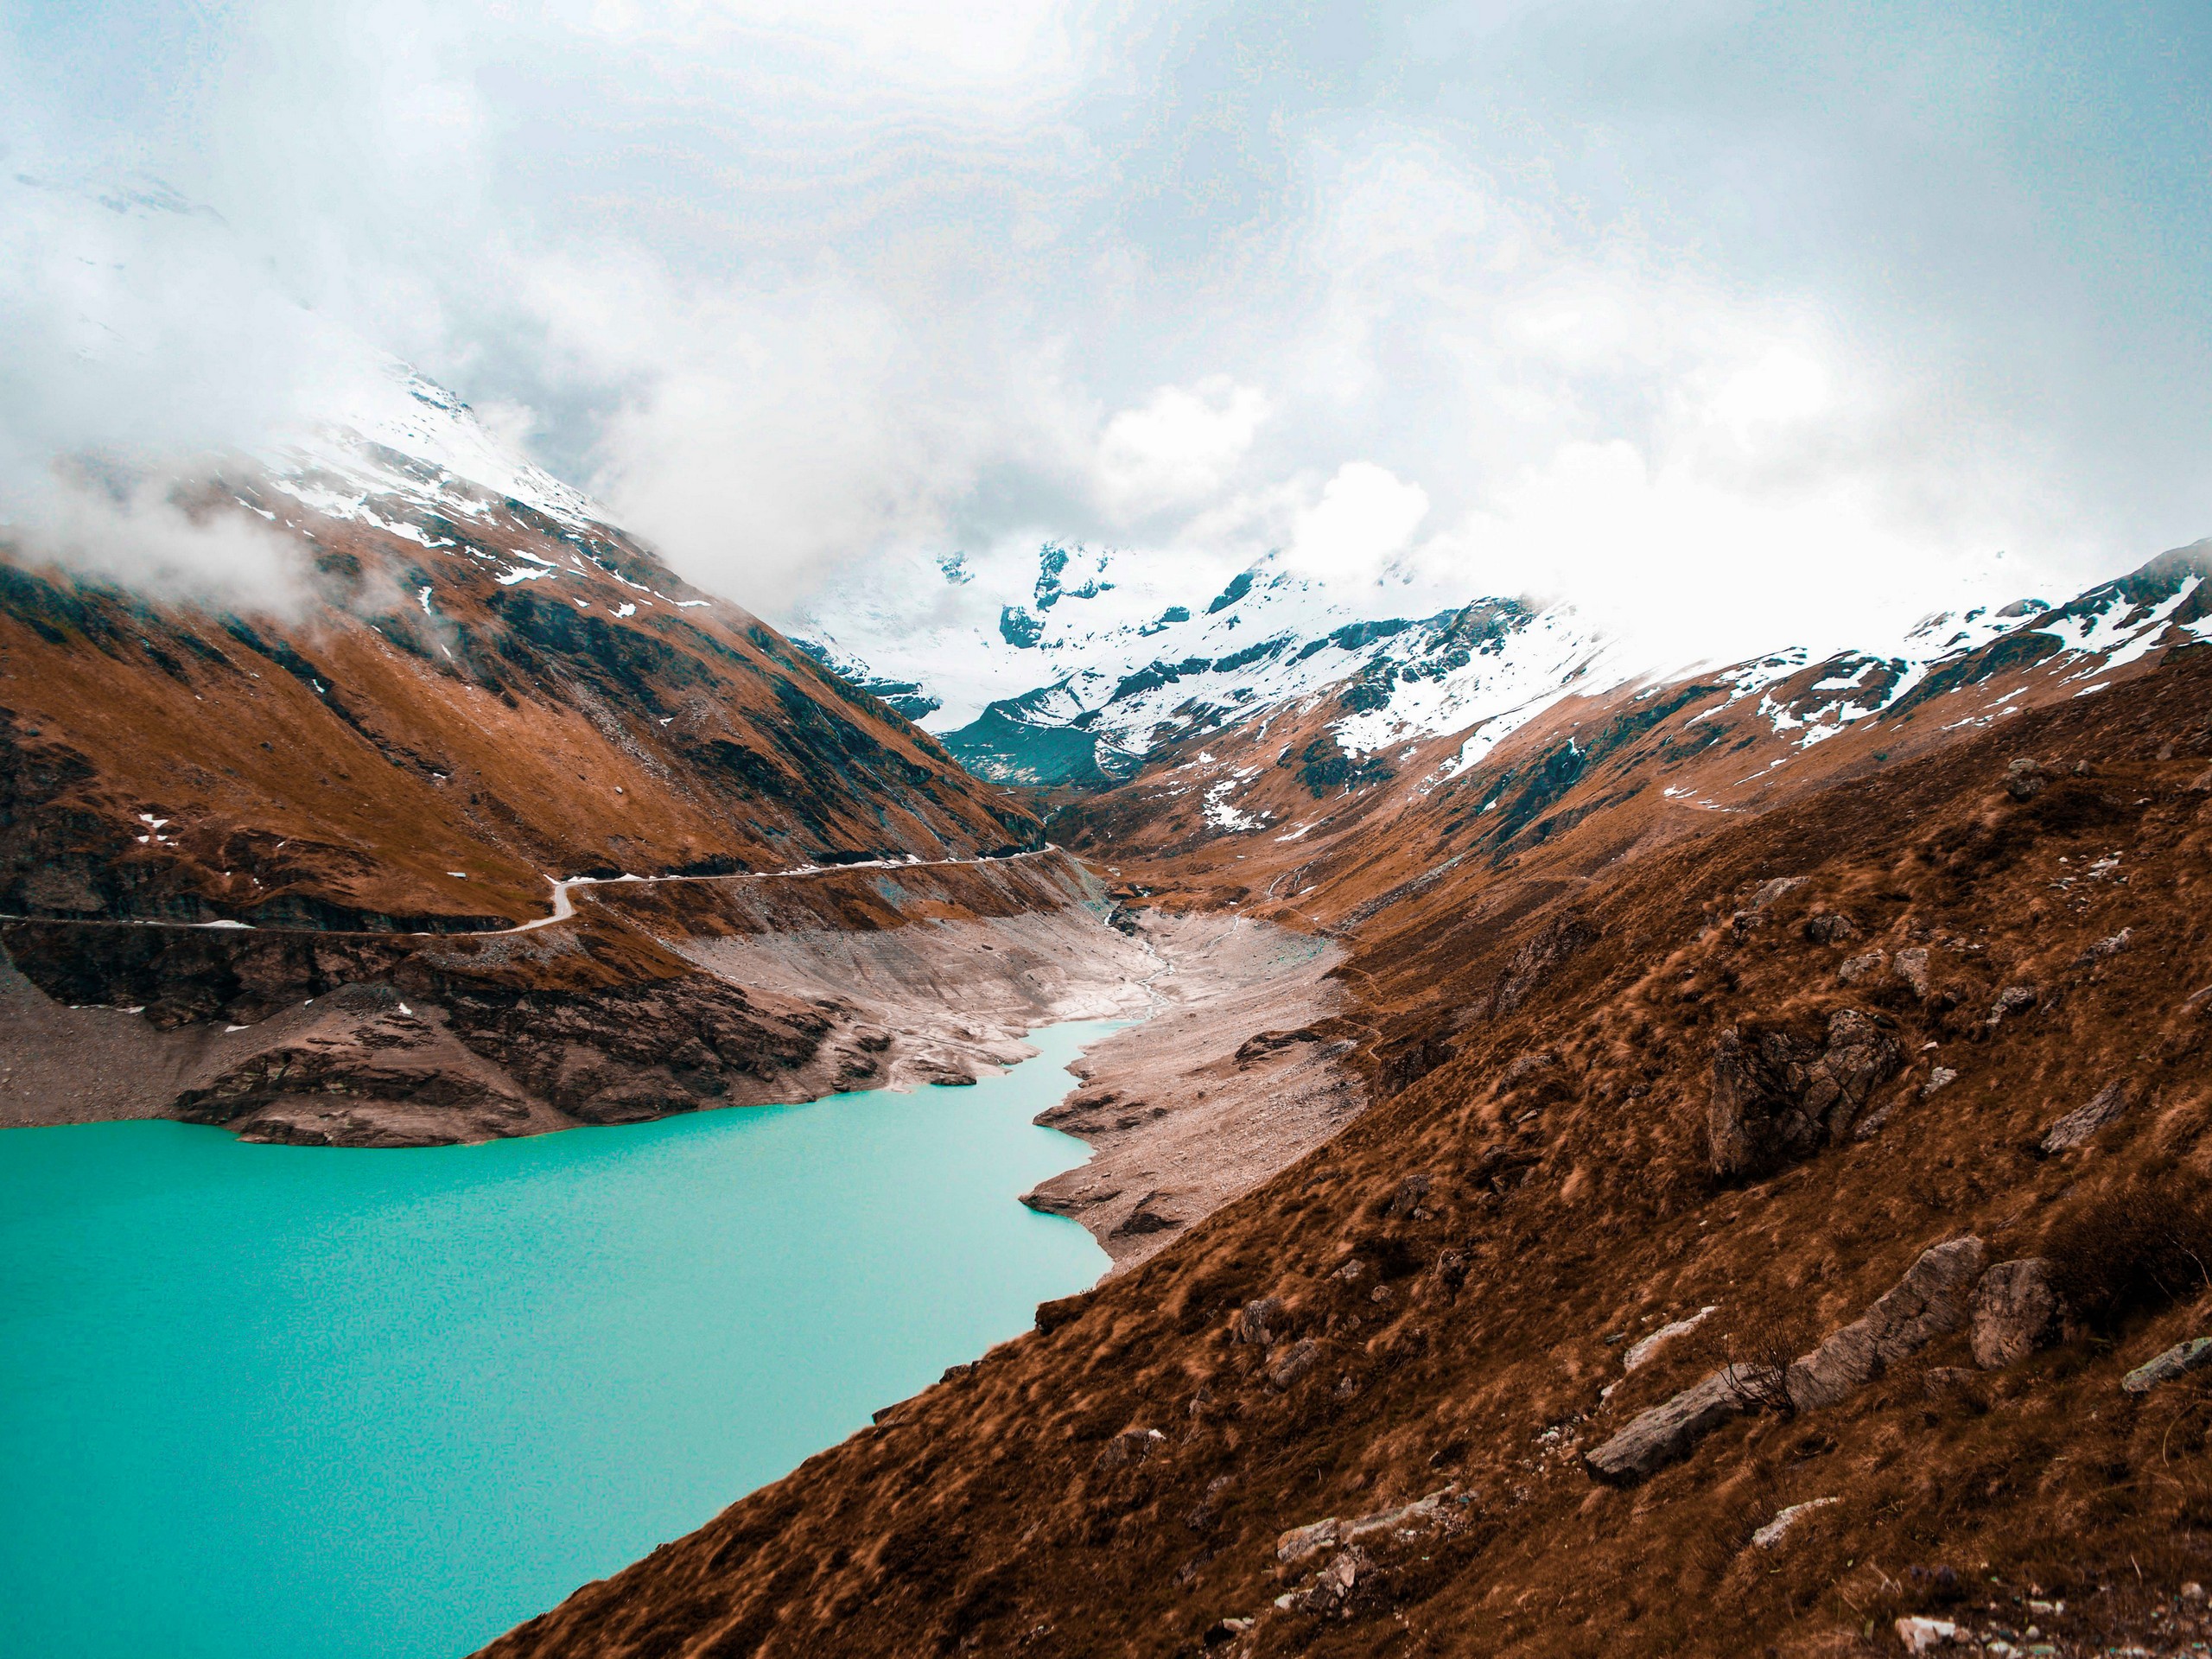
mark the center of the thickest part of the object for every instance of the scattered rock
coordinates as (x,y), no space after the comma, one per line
(2176,1361)
(2105,948)
(1298,1358)
(1664,1434)
(2024,779)
(1665,1334)
(1855,968)
(1926,1635)
(1295,1545)
(1225,1630)
(2013,999)
(1941,1077)
(1130,1445)
(2017,1310)
(1407,1197)
(1931,1300)
(1330,1588)
(1775,889)
(1831,927)
(2083,1122)
(1912,966)
(1778,1529)
(1252,1323)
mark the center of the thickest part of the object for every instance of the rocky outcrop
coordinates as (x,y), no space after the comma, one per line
(340,1082)
(1933,1299)
(1777,1097)
(1558,940)
(2079,1126)
(2017,1310)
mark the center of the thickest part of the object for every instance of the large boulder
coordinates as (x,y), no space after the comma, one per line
(1933,1299)
(2017,1310)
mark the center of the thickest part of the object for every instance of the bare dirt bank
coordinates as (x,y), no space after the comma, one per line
(1238,1072)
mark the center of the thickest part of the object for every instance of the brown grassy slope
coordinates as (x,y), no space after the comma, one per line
(1007,1510)
(335,765)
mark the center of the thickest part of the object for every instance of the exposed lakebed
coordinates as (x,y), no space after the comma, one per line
(264,1400)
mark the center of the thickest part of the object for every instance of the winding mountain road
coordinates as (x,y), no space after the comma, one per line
(564,907)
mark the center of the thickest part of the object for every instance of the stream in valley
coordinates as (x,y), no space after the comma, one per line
(280,1402)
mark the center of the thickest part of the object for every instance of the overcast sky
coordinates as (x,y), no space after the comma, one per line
(1691,309)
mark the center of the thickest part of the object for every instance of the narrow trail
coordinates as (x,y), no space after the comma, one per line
(564,907)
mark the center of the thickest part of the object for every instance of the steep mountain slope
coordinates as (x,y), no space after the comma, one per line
(473,689)
(1925,1036)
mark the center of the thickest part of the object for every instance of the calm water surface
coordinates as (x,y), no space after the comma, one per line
(313,1404)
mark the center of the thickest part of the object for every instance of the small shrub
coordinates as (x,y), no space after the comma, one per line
(2147,1247)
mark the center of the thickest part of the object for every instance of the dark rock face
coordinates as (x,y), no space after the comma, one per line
(2017,1310)
(1777,1097)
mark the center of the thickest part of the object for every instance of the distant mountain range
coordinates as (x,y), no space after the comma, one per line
(1084,671)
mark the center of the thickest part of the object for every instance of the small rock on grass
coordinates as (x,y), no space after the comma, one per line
(2083,1122)
(2176,1361)
(1773,1534)
(1926,1635)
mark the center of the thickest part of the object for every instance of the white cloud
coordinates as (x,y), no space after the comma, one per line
(141,534)
(1365,515)
(1179,447)
(801,282)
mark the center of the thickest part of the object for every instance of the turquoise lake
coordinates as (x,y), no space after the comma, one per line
(280,1402)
